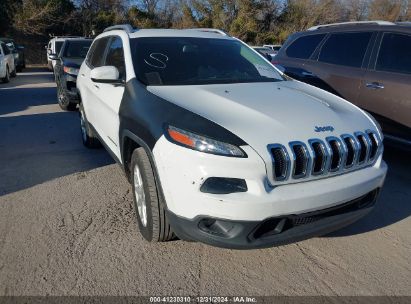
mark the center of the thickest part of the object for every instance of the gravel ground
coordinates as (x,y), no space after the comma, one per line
(68,227)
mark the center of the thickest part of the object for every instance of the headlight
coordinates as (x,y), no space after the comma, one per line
(202,143)
(72,71)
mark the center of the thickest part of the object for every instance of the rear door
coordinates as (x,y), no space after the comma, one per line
(386,88)
(88,88)
(341,63)
(109,96)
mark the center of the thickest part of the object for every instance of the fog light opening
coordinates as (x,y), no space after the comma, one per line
(223,185)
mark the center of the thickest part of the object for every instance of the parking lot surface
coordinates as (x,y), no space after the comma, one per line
(68,226)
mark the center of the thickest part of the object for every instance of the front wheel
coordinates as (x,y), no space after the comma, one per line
(64,100)
(149,206)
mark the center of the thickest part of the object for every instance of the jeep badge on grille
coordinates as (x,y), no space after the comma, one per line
(324,129)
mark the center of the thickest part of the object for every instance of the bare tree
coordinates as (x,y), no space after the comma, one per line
(357,10)
(389,10)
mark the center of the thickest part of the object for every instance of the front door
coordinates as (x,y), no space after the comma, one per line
(109,98)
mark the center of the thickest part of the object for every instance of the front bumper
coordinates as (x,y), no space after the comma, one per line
(273,231)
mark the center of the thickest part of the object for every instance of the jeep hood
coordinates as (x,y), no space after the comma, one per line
(267,113)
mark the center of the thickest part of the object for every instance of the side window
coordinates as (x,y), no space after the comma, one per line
(115,56)
(394,54)
(6,50)
(303,47)
(346,49)
(97,53)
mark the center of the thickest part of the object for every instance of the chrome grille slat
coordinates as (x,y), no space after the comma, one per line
(320,156)
(337,153)
(301,159)
(365,144)
(352,147)
(375,144)
(280,160)
(334,155)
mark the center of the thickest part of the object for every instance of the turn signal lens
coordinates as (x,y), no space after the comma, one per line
(202,143)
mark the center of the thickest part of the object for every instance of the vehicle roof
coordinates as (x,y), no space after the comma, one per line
(200,33)
(62,38)
(359,26)
(78,39)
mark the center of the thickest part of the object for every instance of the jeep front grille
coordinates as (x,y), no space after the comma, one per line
(323,158)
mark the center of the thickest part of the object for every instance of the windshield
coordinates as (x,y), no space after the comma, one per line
(59,44)
(76,49)
(193,61)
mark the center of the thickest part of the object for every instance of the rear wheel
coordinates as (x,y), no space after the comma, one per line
(90,140)
(151,216)
(6,78)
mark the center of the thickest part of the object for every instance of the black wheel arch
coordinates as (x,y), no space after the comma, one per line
(128,143)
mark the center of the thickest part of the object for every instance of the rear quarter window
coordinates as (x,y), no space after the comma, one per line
(395,53)
(305,46)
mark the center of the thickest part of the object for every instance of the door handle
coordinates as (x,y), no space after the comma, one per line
(83,75)
(374,85)
(96,86)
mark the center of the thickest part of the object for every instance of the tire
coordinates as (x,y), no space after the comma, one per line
(6,78)
(13,73)
(90,140)
(148,202)
(64,100)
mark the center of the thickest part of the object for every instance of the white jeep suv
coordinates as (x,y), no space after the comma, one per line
(219,146)
(7,65)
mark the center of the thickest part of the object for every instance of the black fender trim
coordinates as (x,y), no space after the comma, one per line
(143,144)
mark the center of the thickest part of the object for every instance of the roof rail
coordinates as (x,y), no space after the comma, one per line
(209,30)
(122,27)
(59,37)
(378,22)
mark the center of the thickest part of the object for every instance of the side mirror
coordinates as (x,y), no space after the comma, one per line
(106,74)
(53,57)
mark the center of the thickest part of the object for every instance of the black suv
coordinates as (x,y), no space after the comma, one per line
(367,63)
(68,62)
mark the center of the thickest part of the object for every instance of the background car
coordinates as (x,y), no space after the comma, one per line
(66,69)
(274,47)
(7,67)
(367,63)
(266,52)
(18,53)
(54,47)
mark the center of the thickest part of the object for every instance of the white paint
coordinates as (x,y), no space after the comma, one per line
(182,171)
